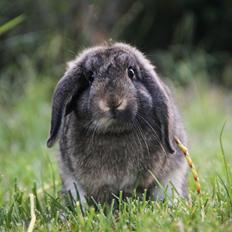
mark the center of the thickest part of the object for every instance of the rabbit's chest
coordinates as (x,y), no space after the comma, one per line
(113,162)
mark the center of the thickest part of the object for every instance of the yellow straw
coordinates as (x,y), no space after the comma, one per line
(33,217)
(190,163)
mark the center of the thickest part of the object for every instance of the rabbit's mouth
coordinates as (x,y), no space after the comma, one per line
(112,125)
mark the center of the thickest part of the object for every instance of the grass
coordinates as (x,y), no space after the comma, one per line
(28,166)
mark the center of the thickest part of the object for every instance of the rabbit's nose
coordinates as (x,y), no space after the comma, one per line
(120,105)
(113,105)
(116,105)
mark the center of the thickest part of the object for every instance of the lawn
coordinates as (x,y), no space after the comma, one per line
(26,166)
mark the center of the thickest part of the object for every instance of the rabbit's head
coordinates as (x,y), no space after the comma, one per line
(111,88)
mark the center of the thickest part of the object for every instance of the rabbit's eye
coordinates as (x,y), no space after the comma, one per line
(131,73)
(90,77)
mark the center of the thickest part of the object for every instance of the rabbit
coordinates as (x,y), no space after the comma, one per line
(116,121)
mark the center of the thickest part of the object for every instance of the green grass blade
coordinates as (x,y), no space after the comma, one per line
(11,24)
(224,157)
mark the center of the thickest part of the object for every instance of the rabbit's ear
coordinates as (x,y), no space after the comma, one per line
(162,107)
(164,117)
(63,93)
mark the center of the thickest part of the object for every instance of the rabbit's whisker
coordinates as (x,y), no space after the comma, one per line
(142,136)
(154,133)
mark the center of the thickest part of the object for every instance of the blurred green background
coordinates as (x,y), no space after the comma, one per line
(188,41)
(46,33)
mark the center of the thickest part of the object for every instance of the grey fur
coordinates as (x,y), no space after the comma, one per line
(116,133)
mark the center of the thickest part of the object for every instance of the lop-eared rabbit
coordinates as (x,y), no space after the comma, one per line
(116,122)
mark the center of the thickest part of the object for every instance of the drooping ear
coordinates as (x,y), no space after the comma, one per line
(63,93)
(164,117)
(162,108)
